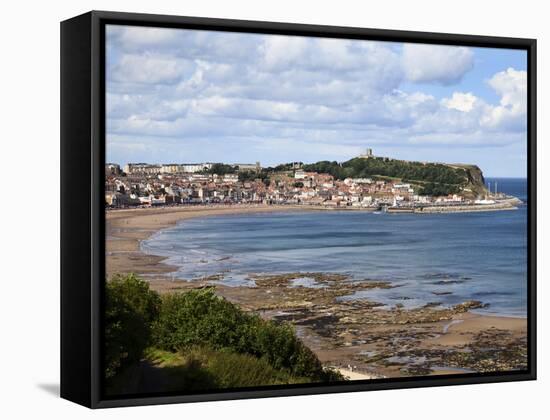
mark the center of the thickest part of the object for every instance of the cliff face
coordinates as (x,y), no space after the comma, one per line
(476,180)
(475,175)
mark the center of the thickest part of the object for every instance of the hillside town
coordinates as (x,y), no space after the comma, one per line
(142,184)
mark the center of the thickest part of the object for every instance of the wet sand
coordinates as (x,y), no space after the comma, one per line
(375,342)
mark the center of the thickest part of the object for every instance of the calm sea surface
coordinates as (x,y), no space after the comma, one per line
(447,258)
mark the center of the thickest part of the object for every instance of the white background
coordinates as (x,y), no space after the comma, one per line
(29,297)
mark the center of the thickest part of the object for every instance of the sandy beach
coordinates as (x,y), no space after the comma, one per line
(355,376)
(374,342)
(126,228)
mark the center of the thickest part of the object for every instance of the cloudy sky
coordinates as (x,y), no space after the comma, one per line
(177,95)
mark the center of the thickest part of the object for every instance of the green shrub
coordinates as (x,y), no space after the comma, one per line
(130,308)
(280,346)
(438,189)
(200,318)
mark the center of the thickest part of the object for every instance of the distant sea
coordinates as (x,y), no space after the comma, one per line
(447,258)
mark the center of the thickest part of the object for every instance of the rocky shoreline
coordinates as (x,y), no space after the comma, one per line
(380,341)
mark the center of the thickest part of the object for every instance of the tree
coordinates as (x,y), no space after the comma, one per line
(130,308)
(221,169)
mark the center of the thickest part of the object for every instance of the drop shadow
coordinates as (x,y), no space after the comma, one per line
(52,389)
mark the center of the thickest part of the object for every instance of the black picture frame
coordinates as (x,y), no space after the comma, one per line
(83,222)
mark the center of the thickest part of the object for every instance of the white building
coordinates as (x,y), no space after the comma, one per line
(484,202)
(142,168)
(112,169)
(195,167)
(171,168)
(300,174)
(231,178)
(243,167)
(402,188)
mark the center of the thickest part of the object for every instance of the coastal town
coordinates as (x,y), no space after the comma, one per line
(147,185)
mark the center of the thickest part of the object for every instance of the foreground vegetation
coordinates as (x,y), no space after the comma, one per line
(199,341)
(130,311)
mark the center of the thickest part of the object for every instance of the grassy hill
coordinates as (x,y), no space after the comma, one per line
(428,178)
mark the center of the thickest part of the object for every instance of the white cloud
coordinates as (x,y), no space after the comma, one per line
(511,86)
(436,63)
(460,101)
(150,69)
(477,138)
(319,96)
(468,114)
(139,36)
(278,52)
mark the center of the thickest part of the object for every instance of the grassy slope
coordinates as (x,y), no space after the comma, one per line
(198,369)
(225,369)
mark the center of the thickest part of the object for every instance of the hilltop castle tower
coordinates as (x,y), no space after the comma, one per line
(368,154)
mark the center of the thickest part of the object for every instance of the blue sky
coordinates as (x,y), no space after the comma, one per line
(178,95)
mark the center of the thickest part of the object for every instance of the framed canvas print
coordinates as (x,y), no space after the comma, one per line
(255,209)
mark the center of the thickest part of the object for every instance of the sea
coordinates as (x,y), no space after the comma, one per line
(431,258)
